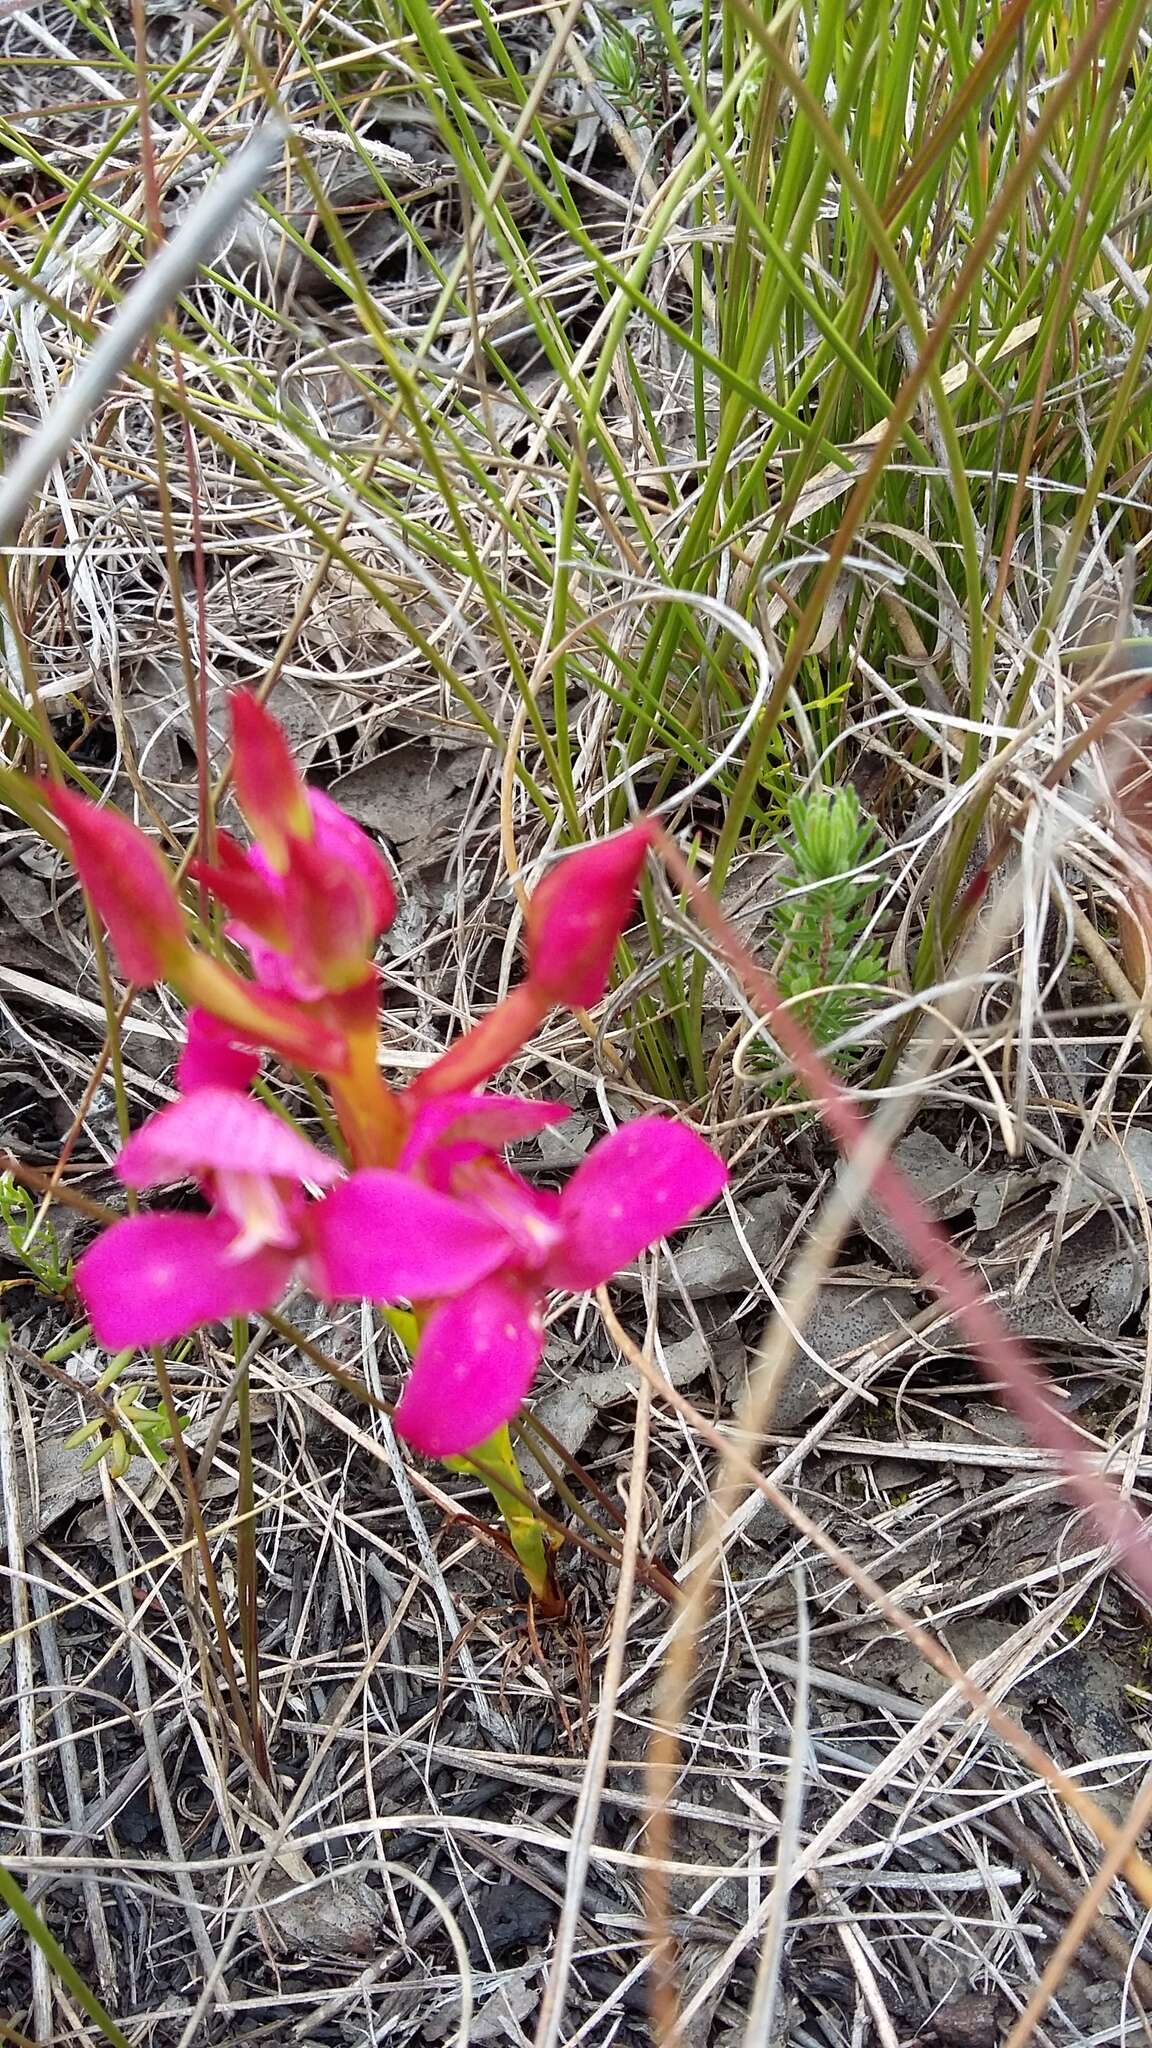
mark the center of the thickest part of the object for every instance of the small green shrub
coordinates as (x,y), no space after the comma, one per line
(821,917)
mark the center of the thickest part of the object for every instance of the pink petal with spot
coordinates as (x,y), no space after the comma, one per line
(452,1128)
(213,1058)
(384,1235)
(214,1130)
(635,1187)
(475,1363)
(152,1278)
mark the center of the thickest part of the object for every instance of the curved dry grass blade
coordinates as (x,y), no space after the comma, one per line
(662,1764)
(31,1816)
(587,1813)
(762,2012)
(1072,1940)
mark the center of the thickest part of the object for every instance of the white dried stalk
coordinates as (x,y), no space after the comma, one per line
(174,264)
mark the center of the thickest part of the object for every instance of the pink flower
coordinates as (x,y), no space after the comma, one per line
(129,883)
(480,1346)
(310,1035)
(153,1277)
(311,898)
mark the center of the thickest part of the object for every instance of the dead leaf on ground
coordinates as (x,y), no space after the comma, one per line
(30,905)
(711,1259)
(156,722)
(515,1996)
(570,1408)
(343,1916)
(945,1182)
(410,794)
(970,2021)
(1109,1167)
(1087,1287)
(61,1484)
(845,1320)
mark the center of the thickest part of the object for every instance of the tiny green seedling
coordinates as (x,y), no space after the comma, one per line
(821,917)
(37,1249)
(129,1423)
(628,67)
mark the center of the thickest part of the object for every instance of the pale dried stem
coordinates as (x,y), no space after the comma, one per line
(1080,1922)
(157,1775)
(1136,1872)
(728,1508)
(587,1815)
(79,1820)
(25,1671)
(140,311)
(762,2011)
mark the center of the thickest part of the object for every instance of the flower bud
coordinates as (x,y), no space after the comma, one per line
(129,883)
(575,917)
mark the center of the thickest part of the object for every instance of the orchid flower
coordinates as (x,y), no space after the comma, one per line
(431,1213)
(157,1276)
(481,1342)
(153,1277)
(311,898)
(308,901)
(129,882)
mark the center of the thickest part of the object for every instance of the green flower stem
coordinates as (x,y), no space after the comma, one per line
(494,1461)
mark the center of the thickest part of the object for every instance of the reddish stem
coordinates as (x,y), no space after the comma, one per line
(1001,1355)
(489,1045)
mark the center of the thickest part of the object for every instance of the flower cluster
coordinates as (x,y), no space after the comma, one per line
(428,1210)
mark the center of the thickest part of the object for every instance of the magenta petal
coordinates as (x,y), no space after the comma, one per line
(384,1235)
(474,1365)
(152,1278)
(634,1188)
(344,845)
(215,1130)
(460,1126)
(213,1057)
